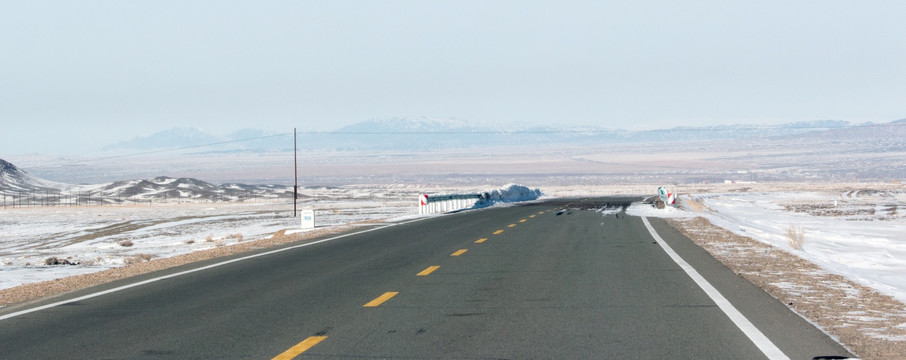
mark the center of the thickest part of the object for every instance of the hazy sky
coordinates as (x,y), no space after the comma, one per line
(77,75)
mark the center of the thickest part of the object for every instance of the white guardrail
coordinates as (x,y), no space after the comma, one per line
(432,204)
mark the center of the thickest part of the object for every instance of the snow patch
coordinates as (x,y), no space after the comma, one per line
(840,235)
(510,193)
(648,210)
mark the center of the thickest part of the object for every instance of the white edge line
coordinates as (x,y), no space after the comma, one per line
(145,282)
(762,342)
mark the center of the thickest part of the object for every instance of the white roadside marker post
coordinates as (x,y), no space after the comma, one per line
(308,219)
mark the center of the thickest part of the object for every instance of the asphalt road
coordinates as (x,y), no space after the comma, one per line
(553,280)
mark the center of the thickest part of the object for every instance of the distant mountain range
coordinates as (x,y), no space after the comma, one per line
(18,188)
(186,137)
(805,150)
(425,134)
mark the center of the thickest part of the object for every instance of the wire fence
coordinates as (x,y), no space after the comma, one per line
(52,198)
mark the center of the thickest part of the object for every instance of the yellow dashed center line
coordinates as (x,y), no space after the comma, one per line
(314,340)
(381,299)
(428,271)
(300,348)
(542,212)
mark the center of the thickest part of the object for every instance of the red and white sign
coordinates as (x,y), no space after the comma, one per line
(423,200)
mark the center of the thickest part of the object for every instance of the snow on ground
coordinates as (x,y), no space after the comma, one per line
(510,193)
(859,234)
(103,237)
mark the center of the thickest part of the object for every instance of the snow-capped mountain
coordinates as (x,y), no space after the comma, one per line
(183,188)
(425,134)
(22,189)
(419,125)
(14,180)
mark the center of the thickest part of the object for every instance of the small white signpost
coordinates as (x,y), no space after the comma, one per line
(308,219)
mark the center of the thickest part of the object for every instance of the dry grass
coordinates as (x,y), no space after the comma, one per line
(692,203)
(796,237)
(139,258)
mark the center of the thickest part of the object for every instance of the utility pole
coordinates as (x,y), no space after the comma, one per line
(295,173)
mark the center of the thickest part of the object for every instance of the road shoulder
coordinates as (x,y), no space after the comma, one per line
(868,323)
(795,336)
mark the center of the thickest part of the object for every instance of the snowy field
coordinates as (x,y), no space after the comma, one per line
(102,237)
(859,233)
(88,239)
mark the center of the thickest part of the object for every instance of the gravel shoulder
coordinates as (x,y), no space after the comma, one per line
(870,324)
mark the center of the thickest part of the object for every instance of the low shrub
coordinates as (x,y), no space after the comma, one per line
(137,259)
(796,236)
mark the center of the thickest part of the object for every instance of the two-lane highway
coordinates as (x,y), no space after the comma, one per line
(549,280)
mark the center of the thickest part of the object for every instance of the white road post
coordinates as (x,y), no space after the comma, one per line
(308,219)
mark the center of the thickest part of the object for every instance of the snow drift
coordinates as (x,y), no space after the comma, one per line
(508,194)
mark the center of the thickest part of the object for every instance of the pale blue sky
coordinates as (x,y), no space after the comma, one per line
(77,75)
